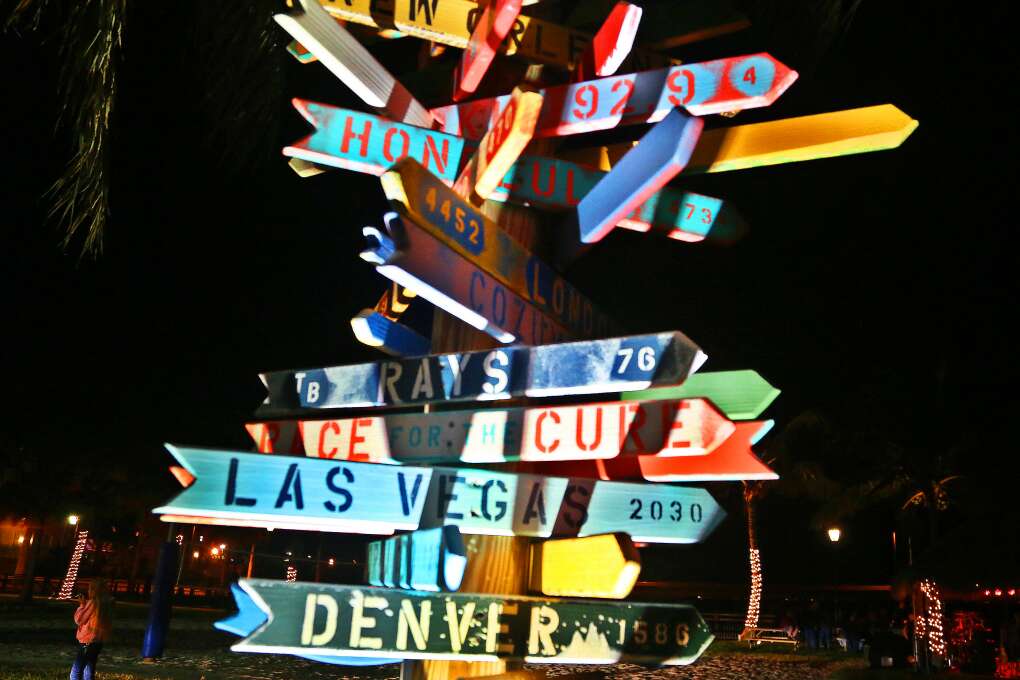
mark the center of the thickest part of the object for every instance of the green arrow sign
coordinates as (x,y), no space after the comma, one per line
(349,621)
(741,395)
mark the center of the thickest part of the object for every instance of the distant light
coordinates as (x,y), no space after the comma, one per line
(332,562)
(834,534)
(195,554)
(201,538)
(21,539)
(215,551)
(223,546)
(308,556)
(72,519)
(269,528)
(998,592)
(289,552)
(988,592)
(179,538)
(1012,592)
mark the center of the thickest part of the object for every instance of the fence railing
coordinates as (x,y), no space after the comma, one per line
(49,586)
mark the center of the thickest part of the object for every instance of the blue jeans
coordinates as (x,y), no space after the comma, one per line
(84,667)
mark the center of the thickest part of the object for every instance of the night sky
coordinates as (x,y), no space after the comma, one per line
(877,290)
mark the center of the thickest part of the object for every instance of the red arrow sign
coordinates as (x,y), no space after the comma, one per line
(733,460)
(497,19)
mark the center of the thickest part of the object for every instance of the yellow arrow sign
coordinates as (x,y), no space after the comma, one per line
(606,565)
(805,138)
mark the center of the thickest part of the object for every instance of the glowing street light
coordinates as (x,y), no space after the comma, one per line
(834,534)
(215,551)
(195,554)
(72,520)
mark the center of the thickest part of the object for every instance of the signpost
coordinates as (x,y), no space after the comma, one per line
(661,154)
(379,327)
(365,143)
(249,489)
(428,559)
(788,140)
(423,199)
(586,367)
(501,146)
(498,17)
(611,44)
(349,621)
(607,565)
(414,257)
(740,395)
(451,22)
(349,61)
(701,89)
(689,427)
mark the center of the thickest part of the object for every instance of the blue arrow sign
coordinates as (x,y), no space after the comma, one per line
(375,330)
(588,367)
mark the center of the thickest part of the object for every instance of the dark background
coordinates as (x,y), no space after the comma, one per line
(876,290)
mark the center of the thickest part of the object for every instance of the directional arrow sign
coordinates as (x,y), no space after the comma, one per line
(376,330)
(349,61)
(690,427)
(420,197)
(365,143)
(501,146)
(279,436)
(740,395)
(414,257)
(427,559)
(498,17)
(328,619)
(611,44)
(587,367)
(734,460)
(607,565)
(450,22)
(788,140)
(249,489)
(711,87)
(661,154)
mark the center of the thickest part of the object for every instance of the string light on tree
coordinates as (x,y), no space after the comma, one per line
(291,572)
(67,587)
(754,602)
(932,620)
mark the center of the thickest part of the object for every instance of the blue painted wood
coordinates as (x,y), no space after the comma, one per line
(454,284)
(249,617)
(375,330)
(250,489)
(256,490)
(432,560)
(658,157)
(588,367)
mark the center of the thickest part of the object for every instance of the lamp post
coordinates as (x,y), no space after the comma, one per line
(835,533)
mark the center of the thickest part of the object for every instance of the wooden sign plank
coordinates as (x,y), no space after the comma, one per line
(606,565)
(586,367)
(718,86)
(732,461)
(611,43)
(690,427)
(330,619)
(246,489)
(500,147)
(491,28)
(365,143)
(276,436)
(253,490)
(788,140)
(432,560)
(414,257)
(349,61)
(740,395)
(376,330)
(451,22)
(660,155)
(419,196)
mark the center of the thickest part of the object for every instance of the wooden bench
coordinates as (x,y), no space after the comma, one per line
(757,636)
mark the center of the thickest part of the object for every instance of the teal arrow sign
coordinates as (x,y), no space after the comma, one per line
(348,621)
(741,395)
(250,489)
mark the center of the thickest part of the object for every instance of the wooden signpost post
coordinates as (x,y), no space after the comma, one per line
(250,489)
(689,427)
(572,368)
(350,621)
(718,86)
(365,143)
(349,61)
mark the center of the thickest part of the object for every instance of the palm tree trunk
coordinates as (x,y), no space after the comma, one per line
(754,600)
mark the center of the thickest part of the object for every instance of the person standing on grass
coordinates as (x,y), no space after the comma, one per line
(93,617)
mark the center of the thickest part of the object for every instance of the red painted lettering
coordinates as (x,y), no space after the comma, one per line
(580,430)
(323,453)
(356,439)
(389,138)
(538,432)
(535,177)
(431,152)
(349,134)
